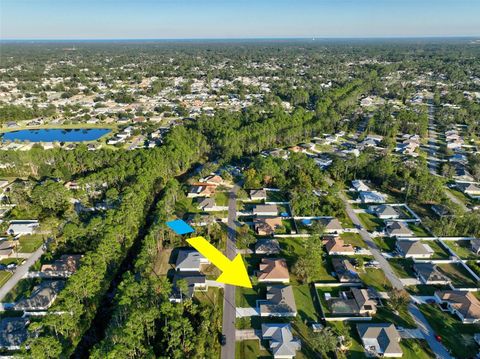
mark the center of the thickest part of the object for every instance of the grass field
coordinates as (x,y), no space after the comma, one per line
(353,239)
(221,199)
(370,222)
(250,349)
(462,249)
(418,230)
(29,244)
(375,278)
(4,277)
(402,267)
(440,252)
(458,274)
(385,244)
(456,336)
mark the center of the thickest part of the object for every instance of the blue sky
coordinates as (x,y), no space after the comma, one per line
(141,19)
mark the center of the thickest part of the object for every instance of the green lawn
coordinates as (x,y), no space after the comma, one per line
(355,351)
(29,244)
(458,274)
(21,290)
(375,278)
(274,196)
(402,267)
(4,277)
(353,239)
(385,244)
(418,230)
(423,289)
(416,349)
(8,261)
(250,349)
(403,318)
(462,249)
(305,303)
(440,252)
(371,222)
(456,336)
(221,199)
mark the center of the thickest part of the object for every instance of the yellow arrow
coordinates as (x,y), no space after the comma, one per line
(233,272)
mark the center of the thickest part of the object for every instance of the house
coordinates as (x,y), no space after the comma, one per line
(331,225)
(65,266)
(258,195)
(262,210)
(398,229)
(273,270)
(360,186)
(428,273)
(355,301)
(414,249)
(201,190)
(72,185)
(6,248)
(475,246)
(280,302)
(42,297)
(469,189)
(267,246)
(208,205)
(441,210)
(380,339)
(213,179)
(13,332)
(385,211)
(282,342)
(190,260)
(22,227)
(464,304)
(336,246)
(371,197)
(344,270)
(266,226)
(194,281)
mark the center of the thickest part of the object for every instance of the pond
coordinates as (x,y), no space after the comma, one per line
(59,135)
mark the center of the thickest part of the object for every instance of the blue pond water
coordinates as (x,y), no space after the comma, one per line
(60,135)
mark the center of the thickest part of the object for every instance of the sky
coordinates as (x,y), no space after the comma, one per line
(190,19)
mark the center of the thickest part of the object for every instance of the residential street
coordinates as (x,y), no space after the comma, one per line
(228,323)
(20,272)
(418,317)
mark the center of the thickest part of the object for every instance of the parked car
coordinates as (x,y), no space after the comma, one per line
(223,340)
(438,338)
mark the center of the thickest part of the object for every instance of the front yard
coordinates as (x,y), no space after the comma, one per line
(29,244)
(375,278)
(371,222)
(4,277)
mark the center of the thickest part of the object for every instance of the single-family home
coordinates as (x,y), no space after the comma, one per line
(464,304)
(428,273)
(190,260)
(414,249)
(344,270)
(441,210)
(42,297)
(192,282)
(258,195)
(385,211)
(265,210)
(380,339)
(13,332)
(280,302)
(201,190)
(355,301)
(475,246)
(398,229)
(22,227)
(282,342)
(65,266)
(213,179)
(331,225)
(72,185)
(267,246)
(208,204)
(266,226)
(469,189)
(337,246)
(360,186)
(273,270)
(6,248)
(371,197)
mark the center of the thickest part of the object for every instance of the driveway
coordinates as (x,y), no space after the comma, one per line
(247,312)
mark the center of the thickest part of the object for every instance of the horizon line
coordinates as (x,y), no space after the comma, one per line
(310,38)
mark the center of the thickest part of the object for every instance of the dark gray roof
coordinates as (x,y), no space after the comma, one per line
(429,272)
(42,296)
(13,332)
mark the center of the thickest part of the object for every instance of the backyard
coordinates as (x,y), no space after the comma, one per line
(458,274)
(462,249)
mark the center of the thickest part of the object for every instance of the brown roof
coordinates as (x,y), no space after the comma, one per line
(267,225)
(337,245)
(66,262)
(273,269)
(464,302)
(332,224)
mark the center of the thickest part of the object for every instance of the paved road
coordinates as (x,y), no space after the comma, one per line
(20,272)
(228,323)
(418,317)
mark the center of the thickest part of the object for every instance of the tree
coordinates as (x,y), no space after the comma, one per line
(398,299)
(324,342)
